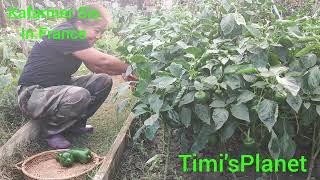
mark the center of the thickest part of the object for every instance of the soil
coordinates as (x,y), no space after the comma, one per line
(293,6)
(135,166)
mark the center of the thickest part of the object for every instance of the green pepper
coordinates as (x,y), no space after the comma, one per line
(229,49)
(308,49)
(240,69)
(274,59)
(280,96)
(249,144)
(65,159)
(83,156)
(286,41)
(247,71)
(307,39)
(285,23)
(201,97)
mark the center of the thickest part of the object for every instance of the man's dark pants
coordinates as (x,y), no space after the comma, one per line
(58,108)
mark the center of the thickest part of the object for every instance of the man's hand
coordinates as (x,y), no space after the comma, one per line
(132,80)
(129,77)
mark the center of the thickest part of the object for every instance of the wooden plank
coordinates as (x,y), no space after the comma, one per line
(27,133)
(114,155)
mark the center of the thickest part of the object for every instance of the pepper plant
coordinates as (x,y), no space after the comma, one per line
(227,66)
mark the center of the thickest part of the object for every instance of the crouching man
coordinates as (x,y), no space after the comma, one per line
(48,92)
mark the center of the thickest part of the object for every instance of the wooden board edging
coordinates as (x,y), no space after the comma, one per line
(31,130)
(113,156)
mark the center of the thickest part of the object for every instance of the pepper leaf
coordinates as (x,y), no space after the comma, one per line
(151,126)
(318,109)
(239,19)
(203,113)
(290,84)
(288,146)
(295,102)
(226,4)
(187,98)
(268,113)
(314,77)
(176,69)
(185,116)
(309,60)
(220,116)
(227,24)
(164,81)
(228,130)
(245,96)
(274,145)
(240,111)
(218,103)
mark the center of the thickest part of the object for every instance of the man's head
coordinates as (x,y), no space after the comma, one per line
(94,27)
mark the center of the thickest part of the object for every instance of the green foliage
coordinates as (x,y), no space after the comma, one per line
(12,59)
(11,63)
(255,69)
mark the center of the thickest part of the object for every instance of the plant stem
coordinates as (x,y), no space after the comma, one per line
(168,132)
(315,8)
(314,152)
(298,127)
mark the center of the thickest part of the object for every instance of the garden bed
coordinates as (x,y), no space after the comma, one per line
(158,159)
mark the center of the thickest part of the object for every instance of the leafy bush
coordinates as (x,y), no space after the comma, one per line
(12,59)
(228,67)
(11,63)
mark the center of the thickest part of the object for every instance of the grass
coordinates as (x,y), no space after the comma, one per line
(10,117)
(8,171)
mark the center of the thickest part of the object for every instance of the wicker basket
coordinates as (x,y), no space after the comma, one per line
(44,166)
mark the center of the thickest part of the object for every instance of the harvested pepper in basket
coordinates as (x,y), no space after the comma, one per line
(66,159)
(83,156)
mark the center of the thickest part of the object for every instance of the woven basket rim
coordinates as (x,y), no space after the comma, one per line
(98,161)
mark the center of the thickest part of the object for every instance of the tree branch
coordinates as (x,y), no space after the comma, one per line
(3,19)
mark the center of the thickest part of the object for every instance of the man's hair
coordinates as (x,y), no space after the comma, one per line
(104,16)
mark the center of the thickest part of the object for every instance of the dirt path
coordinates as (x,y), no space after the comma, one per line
(107,123)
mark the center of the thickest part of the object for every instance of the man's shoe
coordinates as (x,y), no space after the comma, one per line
(81,130)
(58,142)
